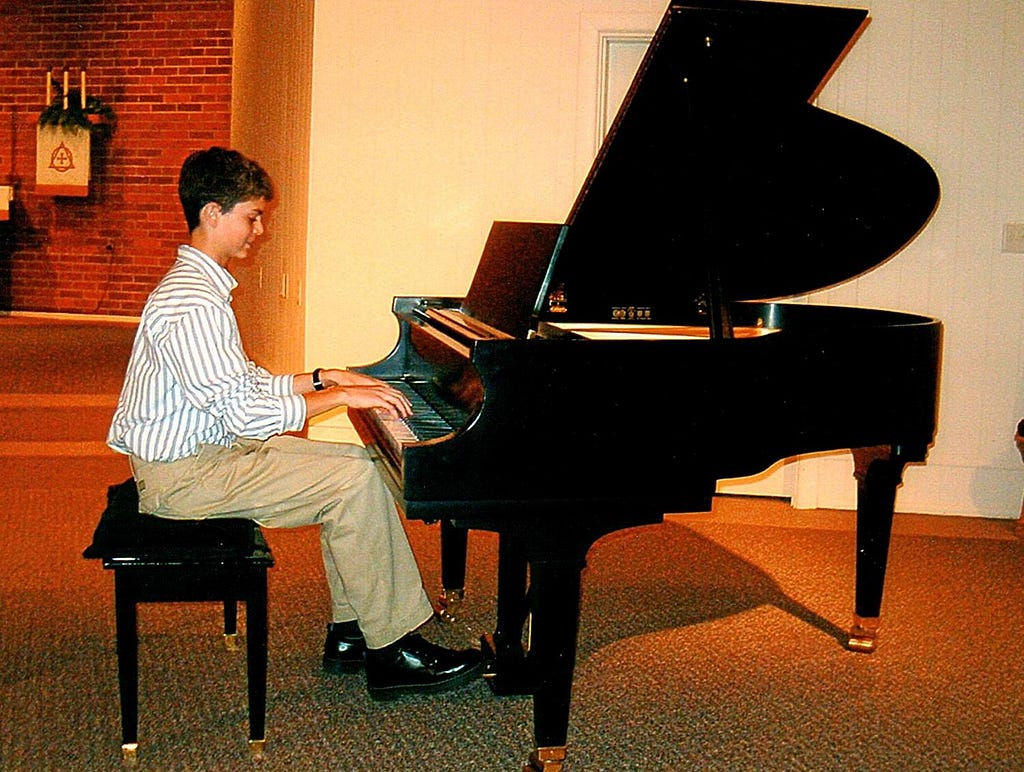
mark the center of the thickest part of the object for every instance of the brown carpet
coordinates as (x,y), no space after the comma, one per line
(708,642)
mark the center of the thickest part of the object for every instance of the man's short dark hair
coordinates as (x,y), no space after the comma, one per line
(222,176)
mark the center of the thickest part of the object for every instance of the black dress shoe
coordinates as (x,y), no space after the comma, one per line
(344,649)
(414,665)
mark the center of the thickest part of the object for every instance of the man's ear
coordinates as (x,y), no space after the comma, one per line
(210,213)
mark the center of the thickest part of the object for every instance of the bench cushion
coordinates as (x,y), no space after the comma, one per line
(123,531)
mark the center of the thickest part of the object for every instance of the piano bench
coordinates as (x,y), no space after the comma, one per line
(157,560)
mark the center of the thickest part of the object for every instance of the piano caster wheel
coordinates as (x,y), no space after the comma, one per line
(546,760)
(257,749)
(231,641)
(863,634)
(129,754)
(448,602)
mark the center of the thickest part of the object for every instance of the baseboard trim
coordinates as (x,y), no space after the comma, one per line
(61,316)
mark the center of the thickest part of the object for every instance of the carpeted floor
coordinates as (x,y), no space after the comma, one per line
(711,641)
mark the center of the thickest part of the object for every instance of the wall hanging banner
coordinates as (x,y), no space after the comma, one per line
(62,161)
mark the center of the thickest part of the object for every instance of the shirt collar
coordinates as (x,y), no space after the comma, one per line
(223,281)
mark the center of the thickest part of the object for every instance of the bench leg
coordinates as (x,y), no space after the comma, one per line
(126,623)
(256,660)
(231,624)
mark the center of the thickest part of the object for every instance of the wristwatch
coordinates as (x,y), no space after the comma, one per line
(317,383)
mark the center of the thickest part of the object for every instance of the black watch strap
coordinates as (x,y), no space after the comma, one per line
(317,383)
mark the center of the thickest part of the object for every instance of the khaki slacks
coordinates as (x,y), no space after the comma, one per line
(289,482)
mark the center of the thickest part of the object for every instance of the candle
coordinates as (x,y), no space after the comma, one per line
(65,89)
(49,87)
(83,89)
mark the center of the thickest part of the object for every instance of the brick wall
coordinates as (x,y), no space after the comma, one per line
(165,68)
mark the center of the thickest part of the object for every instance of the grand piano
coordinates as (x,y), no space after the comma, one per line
(607,370)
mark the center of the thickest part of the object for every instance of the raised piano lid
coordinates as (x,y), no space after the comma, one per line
(718,172)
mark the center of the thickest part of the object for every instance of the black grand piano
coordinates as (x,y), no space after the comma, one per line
(605,371)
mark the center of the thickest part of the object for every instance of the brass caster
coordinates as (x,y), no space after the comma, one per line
(863,634)
(129,754)
(448,602)
(546,760)
(257,748)
(231,641)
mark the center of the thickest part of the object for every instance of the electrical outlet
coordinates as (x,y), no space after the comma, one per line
(1013,237)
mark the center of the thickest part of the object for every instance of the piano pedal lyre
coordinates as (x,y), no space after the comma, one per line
(448,603)
(546,759)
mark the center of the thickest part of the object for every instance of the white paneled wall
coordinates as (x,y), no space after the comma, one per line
(430,119)
(947,78)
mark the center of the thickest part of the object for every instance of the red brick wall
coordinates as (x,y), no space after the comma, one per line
(165,68)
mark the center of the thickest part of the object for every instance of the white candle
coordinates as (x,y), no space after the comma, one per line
(83,89)
(65,89)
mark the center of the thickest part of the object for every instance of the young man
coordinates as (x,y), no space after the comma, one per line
(202,426)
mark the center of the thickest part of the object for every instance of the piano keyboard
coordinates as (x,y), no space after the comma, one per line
(432,417)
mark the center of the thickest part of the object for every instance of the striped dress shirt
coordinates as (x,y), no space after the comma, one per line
(189,382)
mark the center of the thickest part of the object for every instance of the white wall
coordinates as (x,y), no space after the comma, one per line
(432,119)
(947,78)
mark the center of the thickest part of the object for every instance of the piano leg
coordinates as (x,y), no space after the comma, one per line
(453,570)
(879,472)
(555,555)
(546,669)
(552,546)
(555,592)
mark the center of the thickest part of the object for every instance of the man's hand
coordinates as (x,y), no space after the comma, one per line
(334,377)
(361,392)
(374,395)
(344,388)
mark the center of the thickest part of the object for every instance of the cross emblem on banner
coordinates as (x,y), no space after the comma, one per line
(61,159)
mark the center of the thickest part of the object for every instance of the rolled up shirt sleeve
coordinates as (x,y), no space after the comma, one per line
(216,378)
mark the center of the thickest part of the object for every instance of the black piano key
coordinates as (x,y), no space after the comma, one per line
(433,416)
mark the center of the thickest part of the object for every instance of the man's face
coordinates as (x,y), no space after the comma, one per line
(235,230)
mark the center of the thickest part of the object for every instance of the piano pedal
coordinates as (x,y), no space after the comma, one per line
(448,604)
(863,634)
(546,760)
(507,670)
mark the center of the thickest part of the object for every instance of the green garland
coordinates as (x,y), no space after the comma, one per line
(74,118)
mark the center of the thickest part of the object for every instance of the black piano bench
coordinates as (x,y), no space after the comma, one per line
(156,560)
